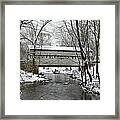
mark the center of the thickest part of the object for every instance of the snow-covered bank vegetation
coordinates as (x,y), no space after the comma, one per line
(45,76)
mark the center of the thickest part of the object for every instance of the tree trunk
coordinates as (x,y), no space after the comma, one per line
(34,67)
(93,70)
(97,37)
(85,78)
(96,58)
(82,52)
(86,67)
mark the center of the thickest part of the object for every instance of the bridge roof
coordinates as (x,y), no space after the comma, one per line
(54,48)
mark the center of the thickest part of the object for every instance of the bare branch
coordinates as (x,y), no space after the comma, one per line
(26,38)
(42,28)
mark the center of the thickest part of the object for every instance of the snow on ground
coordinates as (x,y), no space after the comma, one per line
(93,86)
(29,77)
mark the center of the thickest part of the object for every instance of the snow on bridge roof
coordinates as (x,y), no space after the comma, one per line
(53,48)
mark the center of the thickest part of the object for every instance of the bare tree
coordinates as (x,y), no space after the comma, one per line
(87,35)
(30,31)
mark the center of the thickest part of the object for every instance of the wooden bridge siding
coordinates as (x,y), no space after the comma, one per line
(55,53)
(56,61)
(55,57)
